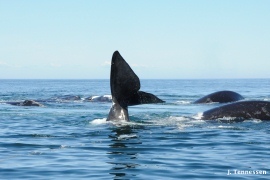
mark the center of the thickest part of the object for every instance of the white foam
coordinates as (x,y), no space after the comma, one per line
(219,127)
(126,136)
(120,123)
(224,127)
(115,123)
(64,146)
(179,119)
(183,102)
(98,121)
(254,121)
(198,116)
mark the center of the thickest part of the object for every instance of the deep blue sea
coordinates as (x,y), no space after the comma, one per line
(71,139)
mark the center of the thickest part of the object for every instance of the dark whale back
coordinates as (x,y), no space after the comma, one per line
(25,103)
(243,109)
(220,97)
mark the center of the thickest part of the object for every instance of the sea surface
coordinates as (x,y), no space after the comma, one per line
(70,139)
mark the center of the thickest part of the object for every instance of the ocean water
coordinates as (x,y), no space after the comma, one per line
(71,139)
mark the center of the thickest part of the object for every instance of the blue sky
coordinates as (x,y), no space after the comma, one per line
(63,39)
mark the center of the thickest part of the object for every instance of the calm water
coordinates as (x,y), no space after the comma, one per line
(72,140)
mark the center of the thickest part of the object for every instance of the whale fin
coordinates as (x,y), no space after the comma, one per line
(125,86)
(143,98)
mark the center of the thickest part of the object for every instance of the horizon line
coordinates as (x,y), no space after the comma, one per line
(140,78)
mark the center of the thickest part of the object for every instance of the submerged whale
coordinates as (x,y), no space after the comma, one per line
(125,86)
(104,98)
(25,103)
(240,110)
(220,97)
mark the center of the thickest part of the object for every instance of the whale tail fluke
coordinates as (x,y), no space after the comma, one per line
(125,86)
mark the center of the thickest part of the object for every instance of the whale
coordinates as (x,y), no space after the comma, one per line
(69,98)
(25,103)
(241,110)
(125,86)
(60,99)
(220,97)
(104,98)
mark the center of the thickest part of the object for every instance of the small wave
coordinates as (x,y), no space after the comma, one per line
(221,127)
(123,123)
(126,136)
(42,135)
(183,102)
(180,121)
(35,153)
(117,123)
(183,122)
(64,146)
(256,121)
